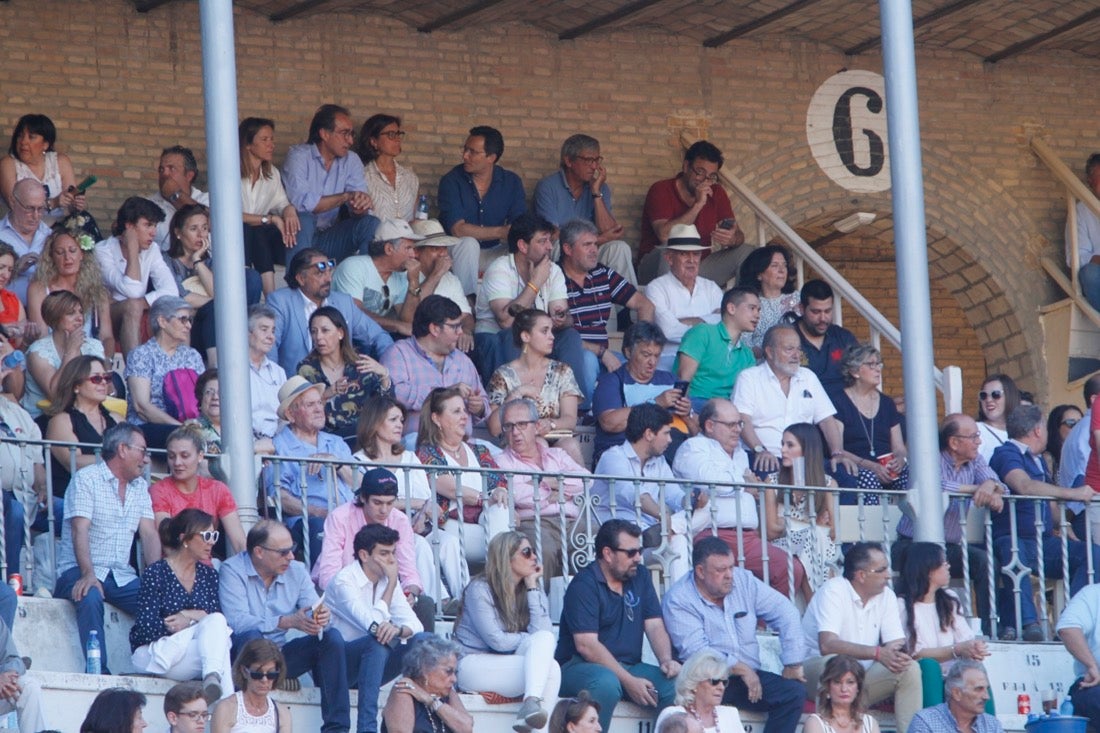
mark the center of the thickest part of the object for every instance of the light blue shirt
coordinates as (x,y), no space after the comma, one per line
(1088,236)
(621,460)
(248,605)
(554,200)
(1082,613)
(18,285)
(290,473)
(307,181)
(1075,458)
(694,623)
(938,719)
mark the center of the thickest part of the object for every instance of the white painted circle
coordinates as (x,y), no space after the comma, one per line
(846,130)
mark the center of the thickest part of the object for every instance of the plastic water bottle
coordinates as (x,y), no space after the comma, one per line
(1066,707)
(92,664)
(422,207)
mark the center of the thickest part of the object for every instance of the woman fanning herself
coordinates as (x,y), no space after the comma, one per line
(179,631)
(550,384)
(936,630)
(811,539)
(840,704)
(185,489)
(67,263)
(350,378)
(424,700)
(699,688)
(506,632)
(270,222)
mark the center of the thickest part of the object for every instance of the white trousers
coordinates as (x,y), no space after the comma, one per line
(530,672)
(28,706)
(476,537)
(456,573)
(465,263)
(190,653)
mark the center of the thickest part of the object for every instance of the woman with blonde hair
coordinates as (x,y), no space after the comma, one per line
(506,632)
(699,689)
(68,263)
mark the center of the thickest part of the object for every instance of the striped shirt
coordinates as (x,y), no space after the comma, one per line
(590,303)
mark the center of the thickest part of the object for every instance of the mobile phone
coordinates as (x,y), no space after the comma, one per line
(726,224)
(87,183)
(681,385)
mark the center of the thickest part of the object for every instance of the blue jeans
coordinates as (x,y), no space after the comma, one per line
(14,516)
(371,665)
(1088,277)
(324,659)
(9,602)
(89,610)
(604,687)
(1086,703)
(342,239)
(1052,568)
(782,700)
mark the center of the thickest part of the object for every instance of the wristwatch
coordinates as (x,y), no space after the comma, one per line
(415,292)
(265,219)
(759,449)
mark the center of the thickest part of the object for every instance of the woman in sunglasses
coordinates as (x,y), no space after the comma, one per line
(258,669)
(179,631)
(505,630)
(699,688)
(1060,421)
(997,397)
(183,488)
(79,416)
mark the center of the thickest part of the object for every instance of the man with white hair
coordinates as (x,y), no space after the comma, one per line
(25,231)
(967,689)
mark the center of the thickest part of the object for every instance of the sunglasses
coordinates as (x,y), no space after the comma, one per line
(183,319)
(527,552)
(284,552)
(258,675)
(322,266)
(722,681)
(632,552)
(210,535)
(1069,422)
(99,378)
(995,394)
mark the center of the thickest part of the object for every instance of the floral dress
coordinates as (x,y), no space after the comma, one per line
(342,410)
(810,543)
(772,311)
(559,382)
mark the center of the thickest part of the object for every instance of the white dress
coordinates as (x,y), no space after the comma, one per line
(810,543)
(266,723)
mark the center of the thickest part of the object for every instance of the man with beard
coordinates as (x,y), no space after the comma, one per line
(781,392)
(607,608)
(694,198)
(823,342)
(525,278)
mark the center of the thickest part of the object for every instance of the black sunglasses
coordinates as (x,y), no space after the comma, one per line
(632,552)
(995,394)
(527,551)
(258,675)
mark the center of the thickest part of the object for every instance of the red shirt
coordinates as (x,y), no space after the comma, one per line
(663,202)
(212,496)
(1092,469)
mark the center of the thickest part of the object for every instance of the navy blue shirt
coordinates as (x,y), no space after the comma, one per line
(459,200)
(825,362)
(618,389)
(1006,458)
(590,606)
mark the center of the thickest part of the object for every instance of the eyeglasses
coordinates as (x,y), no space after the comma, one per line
(210,535)
(972,436)
(283,552)
(995,395)
(36,210)
(142,448)
(197,715)
(466,150)
(99,378)
(520,425)
(211,392)
(877,571)
(258,675)
(322,265)
(186,320)
(631,552)
(1069,422)
(456,327)
(590,160)
(721,681)
(873,364)
(729,423)
(393,134)
(527,552)
(702,173)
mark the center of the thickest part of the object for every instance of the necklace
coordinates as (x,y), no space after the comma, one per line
(870,436)
(695,715)
(432,718)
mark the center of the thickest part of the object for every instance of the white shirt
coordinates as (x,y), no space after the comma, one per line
(108,254)
(397,201)
(991,438)
(502,281)
(265,196)
(837,608)
(412,484)
(264,383)
(672,301)
(450,287)
(702,459)
(1088,236)
(758,395)
(163,238)
(356,603)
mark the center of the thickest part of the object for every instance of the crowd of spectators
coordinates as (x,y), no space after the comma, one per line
(385,341)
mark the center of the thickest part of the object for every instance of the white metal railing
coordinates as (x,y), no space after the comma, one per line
(948,379)
(866,515)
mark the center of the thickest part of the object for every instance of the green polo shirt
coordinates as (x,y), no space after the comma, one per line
(720,361)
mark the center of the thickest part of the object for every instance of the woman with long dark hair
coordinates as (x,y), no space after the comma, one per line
(998,396)
(270,221)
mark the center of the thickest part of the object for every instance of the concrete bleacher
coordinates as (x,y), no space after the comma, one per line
(45,630)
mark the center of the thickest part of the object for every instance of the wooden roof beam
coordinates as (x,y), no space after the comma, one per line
(457,15)
(946,10)
(752,25)
(144,6)
(1029,43)
(295,10)
(627,10)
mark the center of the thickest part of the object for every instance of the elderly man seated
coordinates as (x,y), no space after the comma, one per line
(304,489)
(378,281)
(546,511)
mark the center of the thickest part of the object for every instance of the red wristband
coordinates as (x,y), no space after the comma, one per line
(877,650)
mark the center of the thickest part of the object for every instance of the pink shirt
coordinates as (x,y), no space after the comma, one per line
(337,550)
(554,460)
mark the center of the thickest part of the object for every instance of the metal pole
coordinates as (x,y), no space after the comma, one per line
(219,77)
(911,247)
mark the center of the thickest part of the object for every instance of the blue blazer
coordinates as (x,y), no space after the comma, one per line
(292,341)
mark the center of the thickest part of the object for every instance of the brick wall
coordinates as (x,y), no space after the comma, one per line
(121,85)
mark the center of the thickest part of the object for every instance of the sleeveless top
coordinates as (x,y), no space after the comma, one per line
(425,721)
(85,433)
(865,726)
(52,181)
(246,723)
